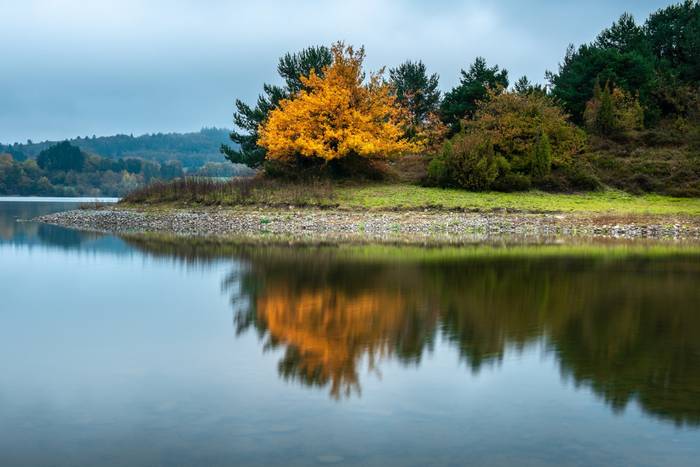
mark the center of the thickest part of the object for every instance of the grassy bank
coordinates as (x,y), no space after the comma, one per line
(383,196)
(408,196)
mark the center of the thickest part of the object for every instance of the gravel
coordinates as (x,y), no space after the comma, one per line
(372,226)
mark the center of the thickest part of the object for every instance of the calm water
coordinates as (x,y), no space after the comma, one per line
(125,352)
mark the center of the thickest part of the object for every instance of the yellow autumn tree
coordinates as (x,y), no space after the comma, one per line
(338,115)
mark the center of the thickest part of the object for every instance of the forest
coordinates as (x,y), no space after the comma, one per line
(192,149)
(111,165)
(621,112)
(66,170)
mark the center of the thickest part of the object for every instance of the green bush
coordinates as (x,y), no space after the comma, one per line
(541,158)
(613,112)
(578,176)
(512,181)
(581,177)
(555,183)
(465,162)
(438,173)
(512,141)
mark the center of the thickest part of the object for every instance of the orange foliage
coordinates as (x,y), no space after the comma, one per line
(338,115)
(331,331)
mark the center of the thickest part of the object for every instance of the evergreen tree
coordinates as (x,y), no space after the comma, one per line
(659,63)
(605,118)
(16,153)
(62,156)
(525,88)
(573,84)
(542,157)
(624,36)
(248,119)
(415,90)
(613,112)
(292,67)
(673,34)
(461,101)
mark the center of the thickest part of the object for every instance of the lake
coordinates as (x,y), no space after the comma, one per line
(131,351)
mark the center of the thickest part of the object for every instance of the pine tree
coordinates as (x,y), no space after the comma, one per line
(415,90)
(605,118)
(292,68)
(462,101)
(525,88)
(624,35)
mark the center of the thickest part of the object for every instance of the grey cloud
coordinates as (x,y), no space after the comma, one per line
(72,67)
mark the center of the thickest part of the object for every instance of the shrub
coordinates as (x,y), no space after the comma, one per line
(694,140)
(514,138)
(511,181)
(412,168)
(613,113)
(580,177)
(514,122)
(542,158)
(465,162)
(665,170)
(299,168)
(438,173)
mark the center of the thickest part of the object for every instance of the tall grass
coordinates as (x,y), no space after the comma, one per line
(239,191)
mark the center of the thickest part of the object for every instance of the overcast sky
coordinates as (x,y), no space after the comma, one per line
(77,67)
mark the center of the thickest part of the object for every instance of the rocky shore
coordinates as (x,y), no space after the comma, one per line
(373,226)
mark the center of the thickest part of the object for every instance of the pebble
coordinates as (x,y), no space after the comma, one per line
(372,226)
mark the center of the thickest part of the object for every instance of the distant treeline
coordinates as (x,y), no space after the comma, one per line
(192,150)
(65,170)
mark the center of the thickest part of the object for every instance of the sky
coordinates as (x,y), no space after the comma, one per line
(75,68)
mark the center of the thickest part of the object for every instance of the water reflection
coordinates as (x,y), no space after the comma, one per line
(17,228)
(626,327)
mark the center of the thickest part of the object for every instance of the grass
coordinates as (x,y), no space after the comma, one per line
(387,196)
(609,201)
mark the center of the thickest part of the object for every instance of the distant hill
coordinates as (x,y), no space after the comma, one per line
(192,150)
(112,165)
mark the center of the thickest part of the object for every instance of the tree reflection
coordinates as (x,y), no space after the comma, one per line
(28,233)
(628,328)
(329,317)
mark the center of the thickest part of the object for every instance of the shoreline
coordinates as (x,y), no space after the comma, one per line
(367,226)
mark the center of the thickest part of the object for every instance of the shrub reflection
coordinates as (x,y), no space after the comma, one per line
(628,328)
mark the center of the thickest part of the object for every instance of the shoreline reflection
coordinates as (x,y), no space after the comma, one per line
(626,327)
